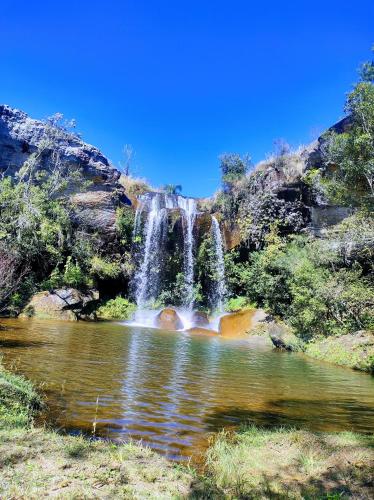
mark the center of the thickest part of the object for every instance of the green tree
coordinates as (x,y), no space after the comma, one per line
(233,168)
(350,156)
(172,188)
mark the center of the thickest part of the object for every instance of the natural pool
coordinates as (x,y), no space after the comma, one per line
(173,389)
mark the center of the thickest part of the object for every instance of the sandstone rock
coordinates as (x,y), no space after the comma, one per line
(200,318)
(236,324)
(63,304)
(168,319)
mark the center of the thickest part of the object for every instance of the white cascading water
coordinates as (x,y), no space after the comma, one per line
(188,205)
(150,237)
(219,291)
(147,278)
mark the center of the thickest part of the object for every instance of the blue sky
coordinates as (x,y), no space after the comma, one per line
(184,81)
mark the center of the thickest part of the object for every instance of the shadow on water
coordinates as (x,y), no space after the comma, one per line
(14,343)
(297,413)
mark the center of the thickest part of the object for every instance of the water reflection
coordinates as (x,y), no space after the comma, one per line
(172,389)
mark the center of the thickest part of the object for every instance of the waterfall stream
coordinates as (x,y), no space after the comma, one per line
(219,266)
(147,278)
(188,205)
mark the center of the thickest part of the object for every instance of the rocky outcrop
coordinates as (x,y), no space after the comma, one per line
(283,338)
(20,136)
(96,210)
(168,319)
(64,304)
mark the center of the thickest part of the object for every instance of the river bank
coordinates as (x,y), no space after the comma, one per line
(252,463)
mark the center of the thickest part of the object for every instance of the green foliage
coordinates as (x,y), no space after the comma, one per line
(118,308)
(125,224)
(306,281)
(105,269)
(350,156)
(18,400)
(237,303)
(233,167)
(73,274)
(172,188)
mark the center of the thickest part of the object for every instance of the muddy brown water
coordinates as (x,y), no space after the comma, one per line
(172,390)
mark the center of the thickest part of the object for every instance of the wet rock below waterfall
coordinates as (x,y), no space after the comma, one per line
(200,318)
(168,319)
(236,324)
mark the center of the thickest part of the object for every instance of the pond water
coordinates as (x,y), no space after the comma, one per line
(173,389)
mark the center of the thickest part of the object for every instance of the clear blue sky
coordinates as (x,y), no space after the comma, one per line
(184,81)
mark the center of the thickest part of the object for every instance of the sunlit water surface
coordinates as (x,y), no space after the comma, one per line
(173,389)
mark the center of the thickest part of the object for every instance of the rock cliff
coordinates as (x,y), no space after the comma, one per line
(20,136)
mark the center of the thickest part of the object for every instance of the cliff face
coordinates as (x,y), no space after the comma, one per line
(20,136)
(95,207)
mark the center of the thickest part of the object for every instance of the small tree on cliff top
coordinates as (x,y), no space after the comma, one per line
(233,167)
(172,188)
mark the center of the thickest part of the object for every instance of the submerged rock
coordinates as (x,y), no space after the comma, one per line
(64,304)
(168,319)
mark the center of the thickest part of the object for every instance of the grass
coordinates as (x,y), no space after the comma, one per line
(345,350)
(288,463)
(18,400)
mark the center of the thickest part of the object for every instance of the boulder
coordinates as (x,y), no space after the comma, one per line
(96,210)
(64,304)
(236,324)
(168,319)
(283,338)
(200,318)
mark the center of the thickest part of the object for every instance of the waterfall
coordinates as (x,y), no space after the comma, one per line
(219,267)
(188,205)
(147,277)
(151,251)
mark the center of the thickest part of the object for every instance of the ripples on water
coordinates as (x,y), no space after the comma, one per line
(171,389)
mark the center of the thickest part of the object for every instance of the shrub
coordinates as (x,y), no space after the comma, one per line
(118,308)
(104,268)
(238,303)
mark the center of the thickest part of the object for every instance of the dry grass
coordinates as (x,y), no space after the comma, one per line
(134,186)
(262,464)
(36,463)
